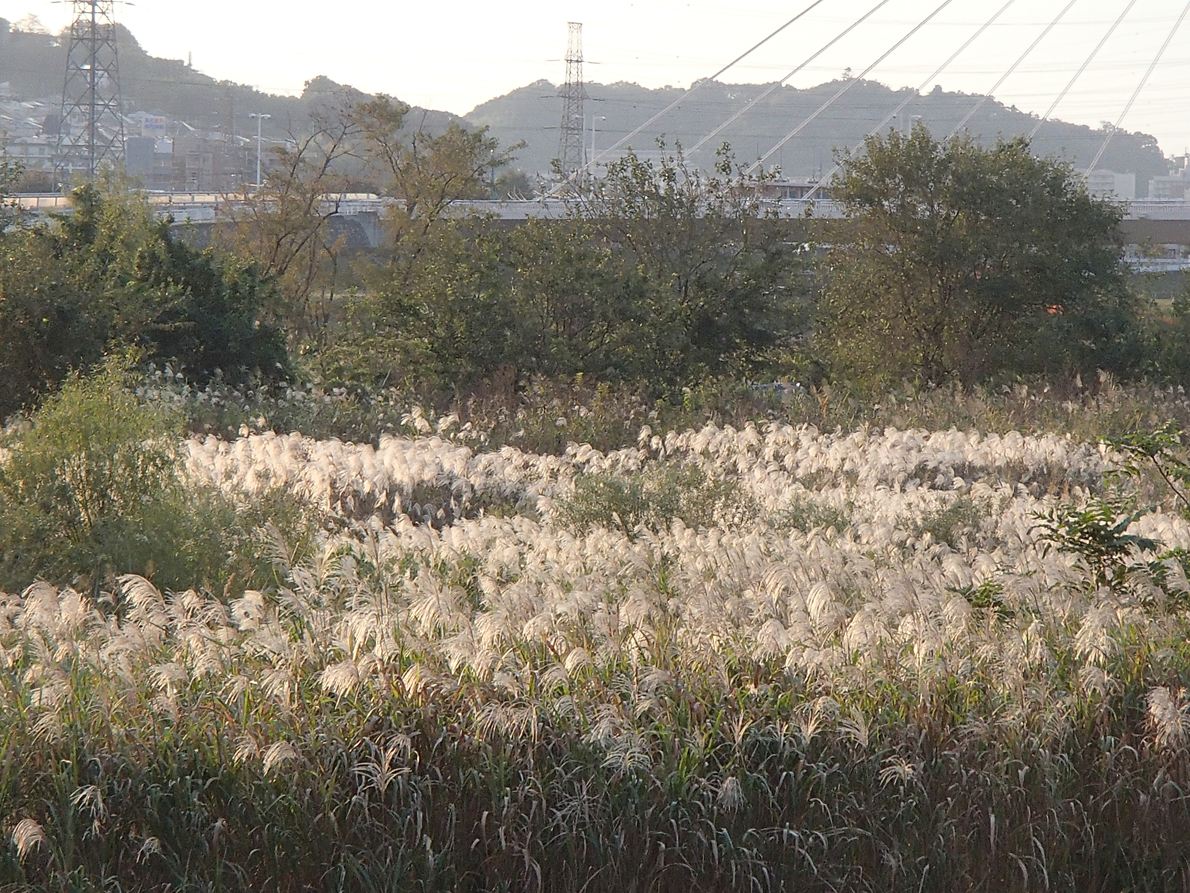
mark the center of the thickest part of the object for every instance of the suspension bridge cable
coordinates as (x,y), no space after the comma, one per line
(772,88)
(1012,68)
(1140,87)
(847,87)
(1082,68)
(979,32)
(693,88)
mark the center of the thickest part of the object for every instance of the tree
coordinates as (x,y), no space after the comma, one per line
(430,282)
(720,279)
(10,175)
(957,262)
(286,227)
(108,276)
(426,174)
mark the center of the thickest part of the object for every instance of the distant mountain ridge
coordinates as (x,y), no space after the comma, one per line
(532,113)
(32,63)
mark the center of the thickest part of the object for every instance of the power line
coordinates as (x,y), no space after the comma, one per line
(847,86)
(1082,68)
(694,87)
(776,86)
(916,93)
(1013,67)
(1140,87)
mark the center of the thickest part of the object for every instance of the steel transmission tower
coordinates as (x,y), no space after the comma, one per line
(91,123)
(571,145)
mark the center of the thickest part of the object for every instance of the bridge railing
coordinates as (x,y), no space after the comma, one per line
(206,205)
(1157,209)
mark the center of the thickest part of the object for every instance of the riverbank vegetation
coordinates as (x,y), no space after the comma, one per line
(650,549)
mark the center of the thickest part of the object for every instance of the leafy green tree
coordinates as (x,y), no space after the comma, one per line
(50,328)
(434,303)
(957,262)
(721,284)
(658,273)
(109,276)
(427,174)
(10,175)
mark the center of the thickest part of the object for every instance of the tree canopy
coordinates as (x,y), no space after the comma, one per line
(957,262)
(109,276)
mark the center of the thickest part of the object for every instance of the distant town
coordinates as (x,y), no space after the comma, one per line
(163,154)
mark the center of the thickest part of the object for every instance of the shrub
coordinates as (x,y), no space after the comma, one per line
(110,274)
(651,500)
(952,524)
(91,486)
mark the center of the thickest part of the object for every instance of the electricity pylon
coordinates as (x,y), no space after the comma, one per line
(91,121)
(571,145)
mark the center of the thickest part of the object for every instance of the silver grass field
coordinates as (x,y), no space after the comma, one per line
(751,657)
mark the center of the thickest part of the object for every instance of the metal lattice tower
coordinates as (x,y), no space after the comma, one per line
(91,123)
(571,148)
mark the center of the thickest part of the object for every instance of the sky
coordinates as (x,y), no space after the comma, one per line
(454,54)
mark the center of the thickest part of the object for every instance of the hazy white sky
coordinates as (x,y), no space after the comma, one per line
(453,54)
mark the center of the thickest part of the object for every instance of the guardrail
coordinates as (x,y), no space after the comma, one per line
(352,204)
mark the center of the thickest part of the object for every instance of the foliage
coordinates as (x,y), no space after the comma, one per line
(1161,451)
(426,174)
(954,523)
(91,484)
(286,227)
(424,260)
(651,501)
(110,276)
(1099,531)
(1170,352)
(961,262)
(74,486)
(660,274)
(10,176)
(719,283)
(471,702)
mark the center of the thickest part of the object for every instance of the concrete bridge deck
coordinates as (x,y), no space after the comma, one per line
(1146,222)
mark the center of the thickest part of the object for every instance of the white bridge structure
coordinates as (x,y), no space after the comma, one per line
(1158,232)
(192,207)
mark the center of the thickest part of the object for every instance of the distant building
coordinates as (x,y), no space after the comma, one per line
(211,162)
(33,153)
(793,189)
(1171,188)
(150,162)
(160,153)
(1175,186)
(1110,185)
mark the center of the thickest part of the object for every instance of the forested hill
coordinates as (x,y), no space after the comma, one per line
(532,114)
(33,64)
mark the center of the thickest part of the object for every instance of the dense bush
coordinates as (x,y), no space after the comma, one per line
(91,485)
(110,276)
(960,262)
(662,275)
(652,500)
